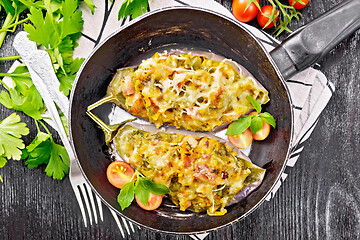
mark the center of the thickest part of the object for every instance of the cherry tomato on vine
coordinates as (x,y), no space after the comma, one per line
(239,12)
(153,203)
(119,173)
(262,19)
(299,5)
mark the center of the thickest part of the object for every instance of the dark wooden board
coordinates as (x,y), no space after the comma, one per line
(320,198)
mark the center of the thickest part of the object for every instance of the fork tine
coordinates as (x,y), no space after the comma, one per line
(117,222)
(100,207)
(91,196)
(125,224)
(83,191)
(81,205)
(131,226)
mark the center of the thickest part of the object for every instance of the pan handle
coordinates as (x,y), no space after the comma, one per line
(310,43)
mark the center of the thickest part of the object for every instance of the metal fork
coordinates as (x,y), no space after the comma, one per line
(44,78)
(84,193)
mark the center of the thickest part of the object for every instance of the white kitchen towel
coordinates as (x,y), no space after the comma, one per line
(310,90)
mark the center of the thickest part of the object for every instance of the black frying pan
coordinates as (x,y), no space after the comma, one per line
(187,27)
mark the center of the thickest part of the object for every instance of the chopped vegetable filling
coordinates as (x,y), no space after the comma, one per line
(186,91)
(202,173)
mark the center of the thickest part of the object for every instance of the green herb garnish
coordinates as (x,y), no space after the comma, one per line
(43,150)
(11,131)
(255,121)
(142,188)
(133,8)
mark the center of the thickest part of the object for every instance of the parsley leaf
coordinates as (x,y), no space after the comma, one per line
(24,96)
(11,130)
(43,150)
(2,164)
(57,32)
(59,162)
(44,33)
(38,152)
(8,7)
(126,195)
(90,5)
(22,79)
(3,161)
(67,80)
(72,21)
(133,8)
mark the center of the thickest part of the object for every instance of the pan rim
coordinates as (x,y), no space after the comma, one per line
(278,73)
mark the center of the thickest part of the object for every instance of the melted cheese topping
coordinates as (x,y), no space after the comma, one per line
(187,91)
(201,173)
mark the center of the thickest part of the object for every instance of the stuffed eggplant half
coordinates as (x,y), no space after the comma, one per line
(186,90)
(202,172)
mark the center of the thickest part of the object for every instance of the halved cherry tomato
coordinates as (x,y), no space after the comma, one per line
(263,132)
(239,12)
(153,203)
(119,173)
(262,19)
(298,5)
(242,140)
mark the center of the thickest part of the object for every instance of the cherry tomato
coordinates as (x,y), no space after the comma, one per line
(153,203)
(263,132)
(242,140)
(119,173)
(298,5)
(238,9)
(262,19)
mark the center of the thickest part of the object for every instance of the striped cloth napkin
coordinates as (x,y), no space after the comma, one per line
(310,90)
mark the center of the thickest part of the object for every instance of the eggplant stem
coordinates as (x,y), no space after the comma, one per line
(101,101)
(108,130)
(102,125)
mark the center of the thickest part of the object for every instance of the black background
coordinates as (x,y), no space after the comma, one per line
(319,199)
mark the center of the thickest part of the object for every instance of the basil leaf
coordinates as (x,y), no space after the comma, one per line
(253,102)
(126,195)
(142,191)
(267,117)
(239,126)
(256,124)
(156,188)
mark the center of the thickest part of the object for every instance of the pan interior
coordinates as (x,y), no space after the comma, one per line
(176,28)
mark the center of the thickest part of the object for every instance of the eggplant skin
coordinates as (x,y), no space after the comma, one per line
(186,91)
(202,173)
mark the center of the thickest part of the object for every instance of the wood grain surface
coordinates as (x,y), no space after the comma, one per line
(320,198)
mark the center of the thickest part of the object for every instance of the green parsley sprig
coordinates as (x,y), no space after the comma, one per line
(142,189)
(24,97)
(43,150)
(14,8)
(11,131)
(133,8)
(255,121)
(58,31)
(56,26)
